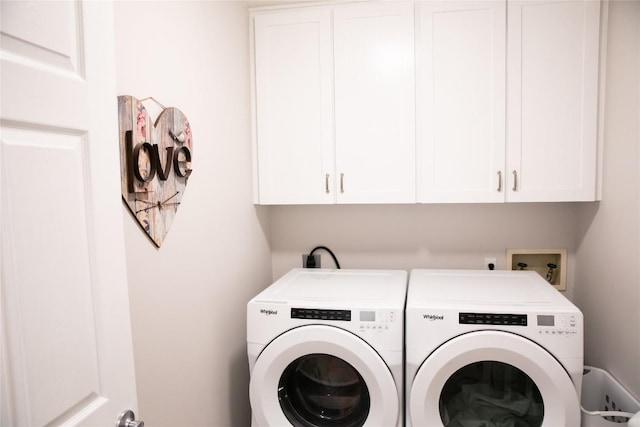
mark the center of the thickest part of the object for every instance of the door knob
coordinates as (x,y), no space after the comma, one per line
(127,419)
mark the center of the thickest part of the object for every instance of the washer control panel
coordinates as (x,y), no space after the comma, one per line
(558,324)
(321,314)
(376,320)
(365,320)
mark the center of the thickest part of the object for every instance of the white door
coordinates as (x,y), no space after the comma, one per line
(461,101)
(492,375)
(552,98)
(322,375)
(375,102)
(66,350)
(294,106)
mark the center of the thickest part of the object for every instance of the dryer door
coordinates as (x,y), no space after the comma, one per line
(322,376)
(492,376)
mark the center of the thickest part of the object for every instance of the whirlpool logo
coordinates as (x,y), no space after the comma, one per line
(432,317)
(268,312)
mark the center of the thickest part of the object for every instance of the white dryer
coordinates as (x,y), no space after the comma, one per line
(325,348)
(483,347)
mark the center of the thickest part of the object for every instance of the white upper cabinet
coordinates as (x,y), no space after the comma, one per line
(375,103)
(475,101)
(357,146)
(551,92)
(552,99)
(293,66)
(461,101)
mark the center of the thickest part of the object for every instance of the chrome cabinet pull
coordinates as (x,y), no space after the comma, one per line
(342,183)
(499,181)
(326,183)
(515,181)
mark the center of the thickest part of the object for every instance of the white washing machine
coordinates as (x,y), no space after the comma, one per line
(325,348)
(483,347)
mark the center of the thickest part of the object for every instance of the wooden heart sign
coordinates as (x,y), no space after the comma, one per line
(155,163)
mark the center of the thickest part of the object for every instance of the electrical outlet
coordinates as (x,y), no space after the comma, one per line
(488,263)
(316,261)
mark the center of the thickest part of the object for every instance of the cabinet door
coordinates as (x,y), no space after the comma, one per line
(375,103)
(461,101)
(294,106)
(552,98)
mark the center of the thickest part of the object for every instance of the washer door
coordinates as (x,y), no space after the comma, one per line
(492,376)
(322,376)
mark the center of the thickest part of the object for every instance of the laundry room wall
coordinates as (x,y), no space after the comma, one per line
(419,236)
(608,254)
(188,298)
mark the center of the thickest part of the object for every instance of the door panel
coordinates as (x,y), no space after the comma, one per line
(461,101)
(552,96)
(294,106)
(66,351)
(375,102)
(49,304)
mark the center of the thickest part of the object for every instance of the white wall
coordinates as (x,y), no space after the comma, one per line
(420,236)
(188,298)
(608,254)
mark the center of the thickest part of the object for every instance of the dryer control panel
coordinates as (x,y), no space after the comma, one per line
(500,319)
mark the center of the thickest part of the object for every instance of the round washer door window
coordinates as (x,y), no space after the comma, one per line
(491,393)
(455,383)
(320,389)
(318,375)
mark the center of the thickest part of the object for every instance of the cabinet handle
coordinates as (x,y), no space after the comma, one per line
(515,181)
(499,181)
(326,183)
(342,183)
